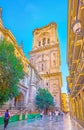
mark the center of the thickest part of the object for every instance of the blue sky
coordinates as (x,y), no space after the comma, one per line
(23,16)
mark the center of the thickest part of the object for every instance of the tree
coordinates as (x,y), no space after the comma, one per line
(11,71)
(44,98)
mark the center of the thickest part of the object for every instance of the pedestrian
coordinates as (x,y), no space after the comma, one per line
(6,119)
(56,114)
(50,115)
(41,115)
(53,114)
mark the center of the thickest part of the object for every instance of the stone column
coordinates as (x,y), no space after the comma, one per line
(70,106)
(73,108)
(77,107)
(26,99)
(83,103)
(20,115)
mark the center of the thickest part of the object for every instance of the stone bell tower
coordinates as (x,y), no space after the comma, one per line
(45,56)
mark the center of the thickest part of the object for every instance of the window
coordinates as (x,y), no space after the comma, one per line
(39,43)
(44,41)
(42,67)
(54,62)
(48,41)
(47,84)
(54,54)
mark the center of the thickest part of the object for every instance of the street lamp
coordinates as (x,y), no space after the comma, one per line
(76,27)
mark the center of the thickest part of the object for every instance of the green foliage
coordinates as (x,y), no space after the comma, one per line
(11,71)
(44,98)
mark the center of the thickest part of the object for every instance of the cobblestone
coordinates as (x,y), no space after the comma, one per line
(45,124)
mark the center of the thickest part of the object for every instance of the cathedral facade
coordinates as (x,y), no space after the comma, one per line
(45,56)
(31,81)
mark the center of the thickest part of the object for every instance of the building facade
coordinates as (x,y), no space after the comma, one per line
(75,58)
(65,102)
(31,79)
(34,82)
(45,56)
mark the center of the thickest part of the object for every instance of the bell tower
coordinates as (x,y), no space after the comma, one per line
(45,36)
(45,56)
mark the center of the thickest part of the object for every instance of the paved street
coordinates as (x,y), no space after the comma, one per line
(45,124)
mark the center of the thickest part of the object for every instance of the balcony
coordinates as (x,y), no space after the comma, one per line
(69,83)
(79,73)
(74,63)
(76,50)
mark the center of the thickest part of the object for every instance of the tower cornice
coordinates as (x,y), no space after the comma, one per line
(44,27)
(44,48)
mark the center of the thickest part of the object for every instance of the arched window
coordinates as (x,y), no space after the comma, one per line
(44,41)
(39,44)
(47,84)
(48,41)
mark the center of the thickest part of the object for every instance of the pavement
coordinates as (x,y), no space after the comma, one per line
(45,124)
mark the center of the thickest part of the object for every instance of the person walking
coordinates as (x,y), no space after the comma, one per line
(6,119)
(41,115)
(53,114)
(56,114)
(50,115)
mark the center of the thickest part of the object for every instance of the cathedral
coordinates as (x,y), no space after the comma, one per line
(45,56)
